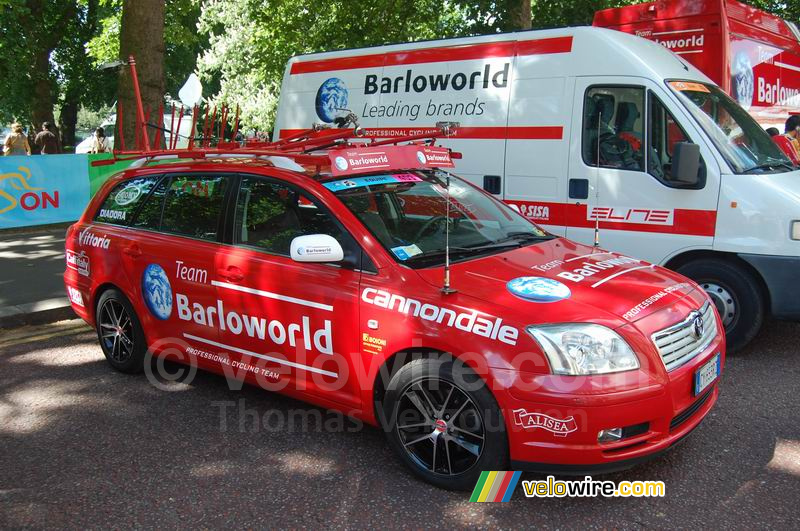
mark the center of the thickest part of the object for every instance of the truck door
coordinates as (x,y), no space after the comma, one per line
(623,138)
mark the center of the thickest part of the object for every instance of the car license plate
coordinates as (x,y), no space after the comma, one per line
(706,374)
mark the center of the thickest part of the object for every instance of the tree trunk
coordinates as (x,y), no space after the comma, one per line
(142,36)
(520,14)
(68,120)
(42,101)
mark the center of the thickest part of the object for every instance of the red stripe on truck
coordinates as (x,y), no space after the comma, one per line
(545,132)
(684,221)
(437,55)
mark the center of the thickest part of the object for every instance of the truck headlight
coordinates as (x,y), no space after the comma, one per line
(577,349)
(796,230)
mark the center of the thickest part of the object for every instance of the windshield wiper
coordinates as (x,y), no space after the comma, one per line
(460,252)
(526,237)
(771,165)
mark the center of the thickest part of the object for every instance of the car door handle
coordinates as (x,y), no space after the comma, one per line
(232,274)
(133,251)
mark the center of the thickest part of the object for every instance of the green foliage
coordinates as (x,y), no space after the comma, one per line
(251,40)
(182,42)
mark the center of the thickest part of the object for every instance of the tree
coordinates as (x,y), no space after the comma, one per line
(141,36)
(250,40)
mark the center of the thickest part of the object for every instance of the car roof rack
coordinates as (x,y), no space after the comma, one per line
(309,147)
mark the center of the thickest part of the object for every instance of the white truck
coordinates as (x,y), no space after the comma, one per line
(585,127)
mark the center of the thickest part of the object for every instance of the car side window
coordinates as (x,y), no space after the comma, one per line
(663,133)
(149,214)
(613,127)
(193,205)
(121,204)
(269,215)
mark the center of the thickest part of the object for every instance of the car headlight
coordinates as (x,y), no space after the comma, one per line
(578,349)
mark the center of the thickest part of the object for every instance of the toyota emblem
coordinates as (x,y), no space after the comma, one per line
(697,326)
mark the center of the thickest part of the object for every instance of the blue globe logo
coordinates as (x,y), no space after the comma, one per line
(742,80)
(157,291)
(331,96)
(538,289)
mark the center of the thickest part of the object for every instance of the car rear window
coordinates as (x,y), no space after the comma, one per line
(124,199)
(193,206)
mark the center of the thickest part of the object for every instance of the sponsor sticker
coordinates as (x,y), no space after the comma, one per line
(559,427)
(687,86)
(88,239)
(157,291)
(538,289)
(78,261)
(127,195)
(404,252)
(75,296)
(357,182)
(113,214)
(372,344)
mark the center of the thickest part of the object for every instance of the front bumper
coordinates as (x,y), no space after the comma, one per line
(780,276)
(557,432)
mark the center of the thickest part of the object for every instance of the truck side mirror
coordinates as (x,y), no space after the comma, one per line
(686,164)
(316,248)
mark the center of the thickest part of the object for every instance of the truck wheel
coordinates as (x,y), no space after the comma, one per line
(444,423)
(120,332)
(736,294)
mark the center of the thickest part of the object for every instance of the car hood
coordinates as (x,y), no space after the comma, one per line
(601,286)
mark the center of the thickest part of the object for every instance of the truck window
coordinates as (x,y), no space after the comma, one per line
(613,127)
(663,133)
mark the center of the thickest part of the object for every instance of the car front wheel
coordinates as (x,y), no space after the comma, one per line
(444,423)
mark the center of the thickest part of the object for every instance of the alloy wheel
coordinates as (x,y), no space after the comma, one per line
(440,427)
(116,331)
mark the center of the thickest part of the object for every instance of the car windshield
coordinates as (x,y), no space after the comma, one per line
(744,144)
(408,213)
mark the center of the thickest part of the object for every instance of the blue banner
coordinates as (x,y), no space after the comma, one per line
(42,189)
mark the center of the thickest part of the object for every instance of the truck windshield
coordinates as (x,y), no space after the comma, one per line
(745,145)
(408,214)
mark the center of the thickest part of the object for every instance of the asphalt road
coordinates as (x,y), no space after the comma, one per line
(82,446)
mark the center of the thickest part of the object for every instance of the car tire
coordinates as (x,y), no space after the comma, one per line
(120,332)
(448,402)
(737,295)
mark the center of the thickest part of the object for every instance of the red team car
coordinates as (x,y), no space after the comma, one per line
(328,282)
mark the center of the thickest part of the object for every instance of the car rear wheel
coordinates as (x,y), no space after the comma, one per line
(736,295)
(120,332)
(444,423)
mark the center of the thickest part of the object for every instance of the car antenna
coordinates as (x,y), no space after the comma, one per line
(597,188)
(446,289)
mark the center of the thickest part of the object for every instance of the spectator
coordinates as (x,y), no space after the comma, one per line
(789,142)
(16,142)
(99,142)
(47,140)
(773,131)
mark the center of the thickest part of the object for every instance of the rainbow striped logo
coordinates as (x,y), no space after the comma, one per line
(495,486)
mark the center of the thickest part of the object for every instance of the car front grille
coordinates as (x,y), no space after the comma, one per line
(680,342)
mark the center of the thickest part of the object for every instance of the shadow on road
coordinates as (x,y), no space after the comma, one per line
(85,446)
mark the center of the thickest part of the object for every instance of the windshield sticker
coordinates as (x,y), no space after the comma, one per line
(538,289)
(404,252)
(687,86)
(356,182)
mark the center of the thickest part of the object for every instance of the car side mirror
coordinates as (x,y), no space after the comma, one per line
(316,248)
(686,164)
